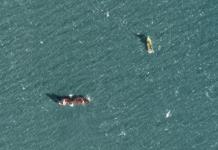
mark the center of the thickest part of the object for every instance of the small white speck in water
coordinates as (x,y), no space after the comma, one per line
(122,133)
(202,13)
(107,14)
(176,92)
(166,129)
(27,50)
(89,98)
(41,42)
(168,114)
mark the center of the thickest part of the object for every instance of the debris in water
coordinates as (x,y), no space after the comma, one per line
(168,114)
(107,14)
(122,133)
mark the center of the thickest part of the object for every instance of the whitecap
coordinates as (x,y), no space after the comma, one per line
(107,14)
(168,114)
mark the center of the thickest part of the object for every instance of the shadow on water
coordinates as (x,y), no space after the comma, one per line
(142,38)
(57,98)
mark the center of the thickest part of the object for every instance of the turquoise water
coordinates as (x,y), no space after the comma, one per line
(164,101)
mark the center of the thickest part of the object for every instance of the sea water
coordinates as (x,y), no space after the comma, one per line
(139,101)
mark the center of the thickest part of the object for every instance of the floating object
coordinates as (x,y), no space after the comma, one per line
(168,114)
(107,14)
(149,45)
(73,100)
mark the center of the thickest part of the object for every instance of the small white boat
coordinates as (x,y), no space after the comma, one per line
(149,45)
